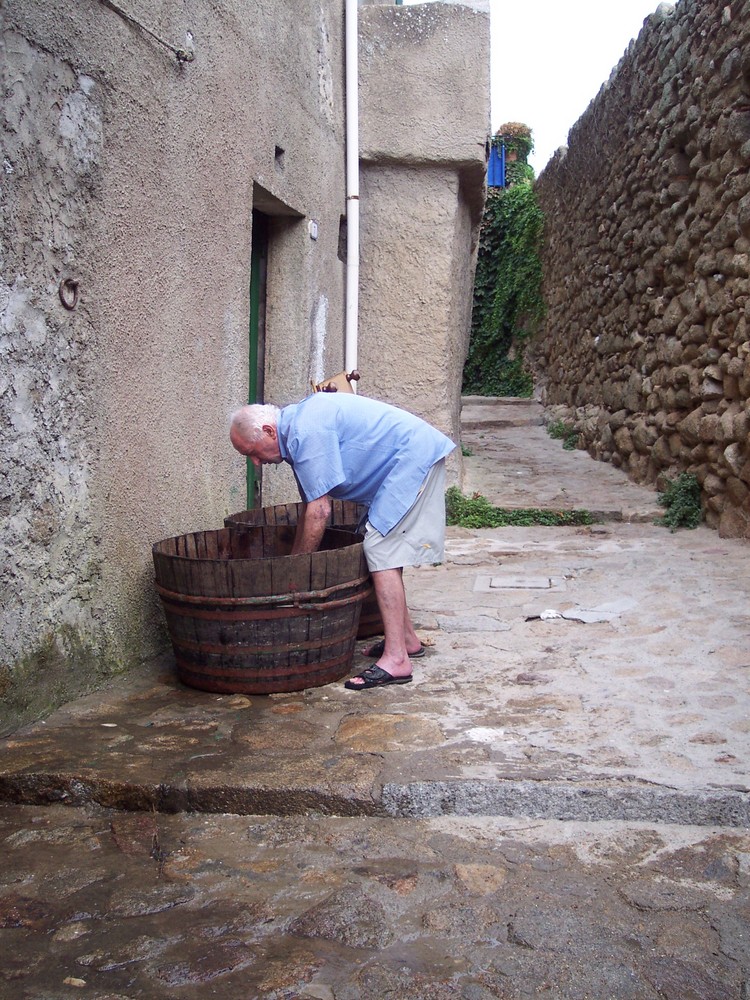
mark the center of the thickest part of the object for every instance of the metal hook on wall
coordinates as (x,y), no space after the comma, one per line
(68,292)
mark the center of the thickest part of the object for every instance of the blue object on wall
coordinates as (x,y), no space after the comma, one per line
(496,166)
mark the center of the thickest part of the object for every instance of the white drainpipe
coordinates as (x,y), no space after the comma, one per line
(352,190)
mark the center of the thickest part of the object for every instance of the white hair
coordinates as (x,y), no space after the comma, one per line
(248,421)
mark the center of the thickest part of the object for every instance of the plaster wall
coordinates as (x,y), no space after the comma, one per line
(134,171)
(424,91)
(417,277)
(135,175)
(645,348)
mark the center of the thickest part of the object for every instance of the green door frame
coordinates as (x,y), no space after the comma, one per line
(257,333)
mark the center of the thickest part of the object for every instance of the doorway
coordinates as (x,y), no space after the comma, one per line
(257,338)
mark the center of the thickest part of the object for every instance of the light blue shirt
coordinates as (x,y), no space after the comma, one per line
(356,448)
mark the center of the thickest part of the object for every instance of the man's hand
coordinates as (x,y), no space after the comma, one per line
(311,525)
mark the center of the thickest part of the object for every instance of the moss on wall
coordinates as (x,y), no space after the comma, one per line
(63,665)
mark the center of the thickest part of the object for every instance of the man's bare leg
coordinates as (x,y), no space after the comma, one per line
(411,640)
(400,636)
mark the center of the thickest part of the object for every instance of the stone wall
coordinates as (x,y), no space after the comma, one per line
(645,347)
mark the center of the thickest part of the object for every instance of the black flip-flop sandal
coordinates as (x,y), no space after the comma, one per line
(375,676)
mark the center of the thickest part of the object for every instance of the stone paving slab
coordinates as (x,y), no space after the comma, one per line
(189,906)
(515,463)
(643,716)
(556,806)
(621,692)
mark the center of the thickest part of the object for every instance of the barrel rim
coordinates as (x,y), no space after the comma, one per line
(157,549)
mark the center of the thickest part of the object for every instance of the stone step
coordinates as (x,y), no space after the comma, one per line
(579,801)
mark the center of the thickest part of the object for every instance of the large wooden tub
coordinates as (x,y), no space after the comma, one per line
(245,616)
(345,515)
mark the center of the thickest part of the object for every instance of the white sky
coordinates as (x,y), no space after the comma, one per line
(550,57)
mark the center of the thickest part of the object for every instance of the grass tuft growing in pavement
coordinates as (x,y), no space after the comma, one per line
(477,512)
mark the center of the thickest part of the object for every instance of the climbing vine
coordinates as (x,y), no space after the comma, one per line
(507,288)
(517,173)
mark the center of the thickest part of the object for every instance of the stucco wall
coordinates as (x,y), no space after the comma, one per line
(134,173)
(424,88)
(645,348)
(415,277)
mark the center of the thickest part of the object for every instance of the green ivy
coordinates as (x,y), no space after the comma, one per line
(477,512)
(518,173)
(512,379)
(682,500)
(508,302)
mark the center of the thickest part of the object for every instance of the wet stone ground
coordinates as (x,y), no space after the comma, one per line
(555,807)
(193,906)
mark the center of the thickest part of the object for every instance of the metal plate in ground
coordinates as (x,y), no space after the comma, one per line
(514,581)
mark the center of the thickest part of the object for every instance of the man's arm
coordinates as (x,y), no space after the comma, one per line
(311,524)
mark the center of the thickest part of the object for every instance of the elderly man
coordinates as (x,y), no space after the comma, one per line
(354,448)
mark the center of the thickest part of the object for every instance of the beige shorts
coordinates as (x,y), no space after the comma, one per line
(419,537)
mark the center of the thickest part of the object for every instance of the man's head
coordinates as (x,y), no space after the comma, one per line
(253,432)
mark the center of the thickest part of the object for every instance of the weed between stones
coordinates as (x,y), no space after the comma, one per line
(682,499)
(559,430)
(477,512)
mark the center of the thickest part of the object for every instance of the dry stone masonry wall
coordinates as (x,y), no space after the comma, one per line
(645,347)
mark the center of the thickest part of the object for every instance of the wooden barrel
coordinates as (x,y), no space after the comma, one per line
(246,617)
(345,515)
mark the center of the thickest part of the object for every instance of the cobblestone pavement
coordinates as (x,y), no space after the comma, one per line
(107,904)
(557,806)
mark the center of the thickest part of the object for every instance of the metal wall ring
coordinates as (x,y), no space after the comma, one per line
(68,292)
